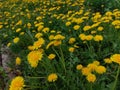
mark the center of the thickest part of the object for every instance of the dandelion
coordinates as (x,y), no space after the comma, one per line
(45,30)
(18,30)
(38,35)
(82,36)
(92,66)
(51,37)
(59,37)
(68,23)
(79,20)
(86,71)
(89,37)
(8,45)
(40,27)
(93,32)
(107,60)
(91,78)
(52,77)
(31,47)
(86,28)
(71,40)
(115,58)
(18,61)
(79,67)
(51,56)
(17,83)
(16,40)
(98,38)
(100,69)
(19,22)
(34,57)
(100,28)
(29,25)
(71,49)
(22,33)
(57,42)
(52,31)
(96,62)
(49,44)
(39,43)
(76,27)
(28,15)
(1,26)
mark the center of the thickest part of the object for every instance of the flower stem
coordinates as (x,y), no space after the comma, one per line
(35,77)
(62,59)
(116,78)
(91,86)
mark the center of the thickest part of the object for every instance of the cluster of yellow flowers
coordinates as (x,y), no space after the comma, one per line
(91,69)
(56,40)
(48,26)
(90,37)
(114,58)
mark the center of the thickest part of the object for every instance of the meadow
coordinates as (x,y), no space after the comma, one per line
(61,44)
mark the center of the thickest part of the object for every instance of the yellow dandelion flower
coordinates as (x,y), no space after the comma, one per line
(98,38)
(52,31)
(82,36)
(76,27)
(79,67)
(100,28)
(51,37)
(29,25)
(31,47)
(92,66)
(71,40)
(1,26)
(16,40)
(116,22)
(17,83)
(38,35)
(89,37)
(115,58)
(45,30)
(18,61)
(57,42)
(108,60)
(51,56)
(71,49)
(34,57)
(95,25)
(37,44)
(28,15)
(59,37)
(96,62)
(19,22)
(100,69)
(40,27)
(22,33)
(8,45)
(18,30)
(86,28)
(86,71)
(68,23)
(93,32)
(49,44)
(91,78)
(52,77)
